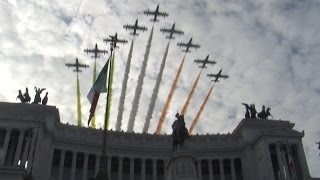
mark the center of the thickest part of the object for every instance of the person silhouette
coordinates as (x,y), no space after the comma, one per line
(45,99)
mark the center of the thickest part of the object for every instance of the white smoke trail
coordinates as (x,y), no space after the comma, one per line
(138,91)
(155,92)
(124,89)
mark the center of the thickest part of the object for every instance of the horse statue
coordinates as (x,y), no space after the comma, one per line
(179,133)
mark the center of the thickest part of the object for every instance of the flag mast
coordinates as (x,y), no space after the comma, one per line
(102,173)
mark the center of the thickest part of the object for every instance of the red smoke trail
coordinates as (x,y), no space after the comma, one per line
(169,98)
(186,104)
(196,119)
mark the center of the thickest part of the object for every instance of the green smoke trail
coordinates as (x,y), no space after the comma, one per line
(78,103)
(110,90)
(93,120)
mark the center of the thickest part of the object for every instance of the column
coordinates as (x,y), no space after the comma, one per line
(210,169)
(154,171)
(221,169)
(32,146)
(96,166)
(85,167)
(5,146)
(73,165)
(131,168)
(143,169)
(61,165)
(233,170)
(49,164)
(199,169)
(109,166)
(302,161)
(279,160)
(26,150)
(120,168)
(19,148)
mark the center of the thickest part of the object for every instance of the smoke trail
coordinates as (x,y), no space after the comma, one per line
(196,119)
(93,119)
(135,102)
(169,98)
(78,103)
(186,104)
(155,92)
(124,89)
(109,99)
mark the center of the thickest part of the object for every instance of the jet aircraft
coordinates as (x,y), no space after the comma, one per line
(155,13)
(204,62)
(188,45)
(96,51)
(77,65)
(217,76)
(114,40)
(171,31)
(135,27)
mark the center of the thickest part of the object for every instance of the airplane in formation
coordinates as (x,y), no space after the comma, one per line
(188,45)
(217,76)
(135,27)
(96,51)
(155,13)
(171,31)
(114,40)
(77,65)
(204,62)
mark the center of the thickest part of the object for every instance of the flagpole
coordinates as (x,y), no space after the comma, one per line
(103,173)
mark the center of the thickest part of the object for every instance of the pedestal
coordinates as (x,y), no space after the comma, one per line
(181,166)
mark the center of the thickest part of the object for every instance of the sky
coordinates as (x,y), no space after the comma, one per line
(270,50)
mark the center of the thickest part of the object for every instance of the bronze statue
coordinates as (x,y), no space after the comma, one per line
(262,114)
(179,132)
(247,115)
(37,97)
(45,99)
(27,96)
(268,113)
(253,111)
(20,96)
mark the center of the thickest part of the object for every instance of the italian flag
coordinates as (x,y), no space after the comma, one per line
(98,87)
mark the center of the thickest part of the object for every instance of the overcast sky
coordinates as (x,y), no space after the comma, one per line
(270,49)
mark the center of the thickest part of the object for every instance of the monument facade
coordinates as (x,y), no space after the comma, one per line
(32,139)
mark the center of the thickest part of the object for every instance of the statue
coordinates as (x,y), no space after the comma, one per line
(253,111)
(45,99)
(37,97)
(20,96)
(247,115)
(179,132)
(27,96)
(262,114)
(319,145)
(268,113)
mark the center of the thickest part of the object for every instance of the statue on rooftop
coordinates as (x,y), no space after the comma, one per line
(253,111)
(20,96)
(45,99)
(27,96)
(247,115)
(37,97)
(262,114)
(179,132)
